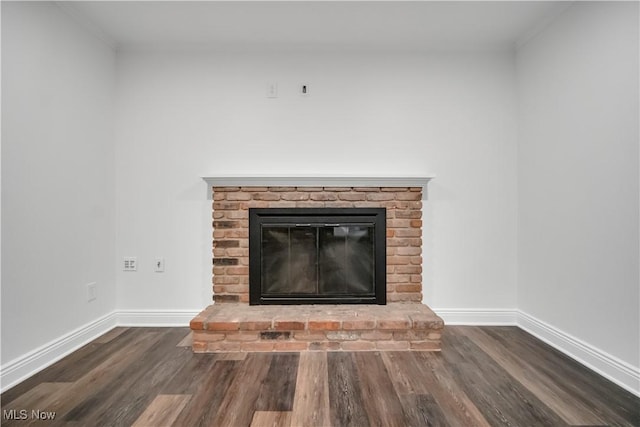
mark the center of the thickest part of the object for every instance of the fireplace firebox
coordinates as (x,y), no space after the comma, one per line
(317,256)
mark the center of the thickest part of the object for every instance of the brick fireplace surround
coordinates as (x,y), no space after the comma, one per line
(232,325)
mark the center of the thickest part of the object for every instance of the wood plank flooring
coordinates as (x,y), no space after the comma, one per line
(484,376)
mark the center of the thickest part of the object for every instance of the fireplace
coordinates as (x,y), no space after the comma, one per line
(317,256)
(403,245)
(334,264)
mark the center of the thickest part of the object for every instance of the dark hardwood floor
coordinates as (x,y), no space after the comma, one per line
(483,376)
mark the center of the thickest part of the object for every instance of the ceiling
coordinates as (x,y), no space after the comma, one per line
(380,25)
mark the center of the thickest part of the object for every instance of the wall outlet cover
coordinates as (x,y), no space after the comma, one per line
(130,264)
(91,291)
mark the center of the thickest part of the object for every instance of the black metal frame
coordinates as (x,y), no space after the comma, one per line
(319,216)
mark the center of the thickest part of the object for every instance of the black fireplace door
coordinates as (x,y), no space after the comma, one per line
(312,256)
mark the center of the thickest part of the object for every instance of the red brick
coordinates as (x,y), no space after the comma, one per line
(409,213)
(197,323)
(352,196)
(376,335)
(295,196)
(291,346)
(207,337)
(337,189)
(223,346)
(309,336)
(397,278)
(379,197)
(237,270)
(257,189)
(242,336)
(236,234)
(237,252)
(434,336)
(257,346)
(308,204)
(282,204)
(222,326)
(398,223)
(366,204)
(254,204)
(358,324)
(358,345)
(394,260)
(225,298)
(288,325)
(238,196)
(392,345)
(395,242)
(404,296)
(338,204)
(415,223)
(324,325)
(226,206)
(324,345)
(408,232)
(343,335)
(408,269)
(393,324)
(258,325)
(241,214)
(412,195)
(408,288)
(409,250)
(324,196)
(266,196)
(226,280)
(282,189)
(199,347)
(411,335)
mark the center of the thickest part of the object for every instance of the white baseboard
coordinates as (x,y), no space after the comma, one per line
(483,316)
(610,367)
(160,318)
(21,368)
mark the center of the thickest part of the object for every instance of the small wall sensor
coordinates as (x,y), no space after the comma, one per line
(304,89)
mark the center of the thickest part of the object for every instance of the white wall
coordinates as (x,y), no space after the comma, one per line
(57,176)
(578,177)
(186,115)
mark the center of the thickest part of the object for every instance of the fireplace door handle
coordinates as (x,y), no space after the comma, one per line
(332,225)
(303,225)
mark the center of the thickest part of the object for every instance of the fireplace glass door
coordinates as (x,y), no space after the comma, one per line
(300,256)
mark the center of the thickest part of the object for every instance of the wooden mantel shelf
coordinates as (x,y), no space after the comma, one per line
(314,181)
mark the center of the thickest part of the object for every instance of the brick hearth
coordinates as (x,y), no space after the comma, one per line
(395,326)
(231,324)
